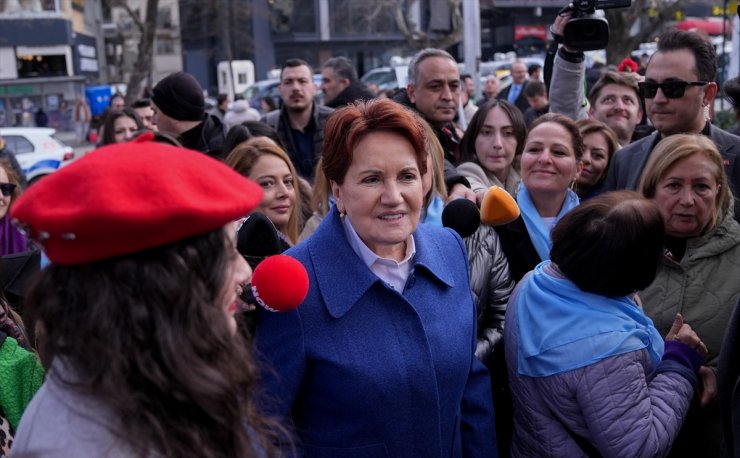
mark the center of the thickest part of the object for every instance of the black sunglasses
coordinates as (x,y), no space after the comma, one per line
(7,189)
(671,89)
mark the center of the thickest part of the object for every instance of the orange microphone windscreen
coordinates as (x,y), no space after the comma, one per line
(498,207)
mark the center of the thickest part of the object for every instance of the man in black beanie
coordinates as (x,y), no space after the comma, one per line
(179,108)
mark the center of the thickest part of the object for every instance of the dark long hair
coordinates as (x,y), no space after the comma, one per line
(146,335)
(467,143)
(109,131)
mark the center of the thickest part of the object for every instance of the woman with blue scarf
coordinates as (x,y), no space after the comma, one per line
(589,373)
(550,164)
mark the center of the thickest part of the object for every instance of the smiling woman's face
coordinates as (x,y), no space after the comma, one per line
(278,201)
(382,193)
(548,163)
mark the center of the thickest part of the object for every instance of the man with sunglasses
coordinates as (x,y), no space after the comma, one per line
(678,91)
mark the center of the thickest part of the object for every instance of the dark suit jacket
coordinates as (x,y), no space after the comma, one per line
(628,163)
(518,248)
(728,380)
(520,102)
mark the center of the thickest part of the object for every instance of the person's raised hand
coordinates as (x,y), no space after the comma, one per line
(683,333)
(461,191)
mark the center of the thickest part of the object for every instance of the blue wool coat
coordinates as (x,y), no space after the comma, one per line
(365,371)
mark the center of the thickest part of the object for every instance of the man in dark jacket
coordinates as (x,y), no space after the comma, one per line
(300,122)
(179,107)
(340,84)
(433,90)
(678,90)
(515,92)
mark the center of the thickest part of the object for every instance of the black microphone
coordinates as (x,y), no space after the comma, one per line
(257,239)
(462,216)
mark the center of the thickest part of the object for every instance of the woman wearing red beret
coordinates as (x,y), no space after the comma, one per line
(136,311)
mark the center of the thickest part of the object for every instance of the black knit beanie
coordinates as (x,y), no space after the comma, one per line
(180,97)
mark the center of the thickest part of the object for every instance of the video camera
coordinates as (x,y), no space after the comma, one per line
(584,31)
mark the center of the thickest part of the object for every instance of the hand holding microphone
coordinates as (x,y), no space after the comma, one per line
(279,284)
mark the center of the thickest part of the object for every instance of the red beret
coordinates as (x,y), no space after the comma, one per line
(129,197)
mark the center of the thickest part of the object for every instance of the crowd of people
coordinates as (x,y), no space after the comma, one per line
(599,322)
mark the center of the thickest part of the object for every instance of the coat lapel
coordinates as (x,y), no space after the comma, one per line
(341,276)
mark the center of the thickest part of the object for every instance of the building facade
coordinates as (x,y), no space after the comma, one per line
(49,51)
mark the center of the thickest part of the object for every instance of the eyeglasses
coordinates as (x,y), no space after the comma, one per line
(671,89)
(7,189)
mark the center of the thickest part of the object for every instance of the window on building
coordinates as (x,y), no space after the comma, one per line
(362,17)
(165,46)
(30,66)
(164,18)
(293,16)
(10,7)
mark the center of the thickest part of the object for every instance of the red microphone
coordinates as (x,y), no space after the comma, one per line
(279,284)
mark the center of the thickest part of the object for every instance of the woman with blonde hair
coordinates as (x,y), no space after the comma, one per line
(265,163)
(433,182)
(699,271)
(600,143)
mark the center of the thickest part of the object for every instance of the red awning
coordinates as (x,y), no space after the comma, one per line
(710,26)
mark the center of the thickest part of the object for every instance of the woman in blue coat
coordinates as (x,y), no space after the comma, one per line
(379,359)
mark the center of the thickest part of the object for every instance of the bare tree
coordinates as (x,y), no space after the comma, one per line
(621,21)
(146,28)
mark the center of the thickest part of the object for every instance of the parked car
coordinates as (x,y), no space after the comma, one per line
(38,151)
(502,69)
(386,77)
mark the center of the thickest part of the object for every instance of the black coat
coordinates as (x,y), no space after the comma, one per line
(518,248)
(355,91)
(207,137)
(728,380)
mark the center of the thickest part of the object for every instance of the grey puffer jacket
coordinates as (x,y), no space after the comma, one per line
(620,404)
(491,284)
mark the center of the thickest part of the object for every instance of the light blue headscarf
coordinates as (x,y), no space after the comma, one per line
(562,328)
(433,213)
(539,232)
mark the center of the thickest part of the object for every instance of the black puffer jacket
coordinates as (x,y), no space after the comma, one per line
(491,283)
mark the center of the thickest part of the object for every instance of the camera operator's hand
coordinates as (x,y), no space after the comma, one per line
(558,27)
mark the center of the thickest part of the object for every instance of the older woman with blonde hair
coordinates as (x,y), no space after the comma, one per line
(698,274)
(264,162)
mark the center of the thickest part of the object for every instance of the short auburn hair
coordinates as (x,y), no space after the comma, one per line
(611,244)
(348,125)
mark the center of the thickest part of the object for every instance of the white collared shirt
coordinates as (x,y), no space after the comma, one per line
(392,272)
